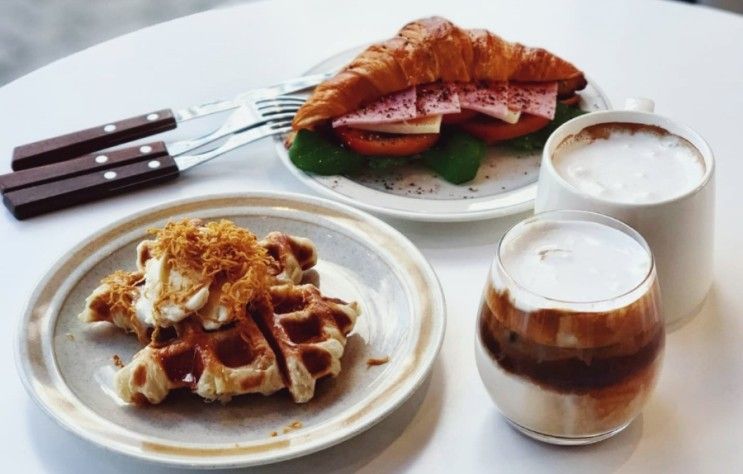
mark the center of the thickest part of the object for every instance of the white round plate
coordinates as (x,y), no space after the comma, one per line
(505,184)
(67,367)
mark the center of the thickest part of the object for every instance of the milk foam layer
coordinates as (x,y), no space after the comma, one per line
(573,260)
(626,165)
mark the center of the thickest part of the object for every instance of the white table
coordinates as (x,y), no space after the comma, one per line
(689,59)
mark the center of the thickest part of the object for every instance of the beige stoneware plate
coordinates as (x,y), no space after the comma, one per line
(67,366)
(506,182)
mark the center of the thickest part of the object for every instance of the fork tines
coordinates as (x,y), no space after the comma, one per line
(279,107)
(280,126)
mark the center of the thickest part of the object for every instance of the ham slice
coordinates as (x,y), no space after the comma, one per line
(437,99)
(501,100)
(534,98)
(492,99)
(390,108)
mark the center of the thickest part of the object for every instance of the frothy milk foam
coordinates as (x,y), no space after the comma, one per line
(639,164)
(576,261)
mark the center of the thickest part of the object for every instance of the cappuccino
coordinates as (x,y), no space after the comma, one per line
(629,163)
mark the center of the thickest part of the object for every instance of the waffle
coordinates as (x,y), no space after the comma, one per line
(103,305)
(289,255)
(216,365)
(309,333)
(287,339)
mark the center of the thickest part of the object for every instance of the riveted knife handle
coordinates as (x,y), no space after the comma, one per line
(71,145)
(82,165)
(34,200)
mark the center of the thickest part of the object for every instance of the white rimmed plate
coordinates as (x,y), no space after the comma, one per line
(505,184)
(67,366)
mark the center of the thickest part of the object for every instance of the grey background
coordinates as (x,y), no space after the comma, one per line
(36,32)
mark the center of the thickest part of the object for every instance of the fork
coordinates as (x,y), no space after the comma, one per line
(35,191)
(71,145)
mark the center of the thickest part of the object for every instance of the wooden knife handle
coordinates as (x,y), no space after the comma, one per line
(34,200)
(64,147)
(77,166)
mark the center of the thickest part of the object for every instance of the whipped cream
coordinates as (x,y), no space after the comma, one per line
(157,276)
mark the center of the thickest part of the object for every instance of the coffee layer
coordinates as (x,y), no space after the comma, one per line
(580,367)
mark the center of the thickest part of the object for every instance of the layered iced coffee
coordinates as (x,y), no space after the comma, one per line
(570,333)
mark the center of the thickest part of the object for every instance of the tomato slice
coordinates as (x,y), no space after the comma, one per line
(572,100)
(385,144)
(460,117)
(491,130)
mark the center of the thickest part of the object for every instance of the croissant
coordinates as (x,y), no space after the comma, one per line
(429,50)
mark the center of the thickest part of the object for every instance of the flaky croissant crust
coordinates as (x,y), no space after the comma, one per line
(429,50)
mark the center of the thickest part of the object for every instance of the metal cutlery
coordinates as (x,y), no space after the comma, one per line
(248,115)
(42,189)
(64,147)
(37,199)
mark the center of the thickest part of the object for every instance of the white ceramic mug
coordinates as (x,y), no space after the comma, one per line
(679,231)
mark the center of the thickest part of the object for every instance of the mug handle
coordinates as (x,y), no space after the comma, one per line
(639,104)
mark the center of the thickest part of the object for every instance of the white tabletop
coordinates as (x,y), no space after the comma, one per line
(686,58)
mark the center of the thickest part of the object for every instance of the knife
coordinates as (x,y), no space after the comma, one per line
(64,147)
(249,115)
(81,180)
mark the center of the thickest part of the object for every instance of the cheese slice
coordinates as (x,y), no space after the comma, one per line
(510,116)
(430,124)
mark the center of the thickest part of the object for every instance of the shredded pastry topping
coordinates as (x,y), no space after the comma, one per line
(121,291)
(218,251)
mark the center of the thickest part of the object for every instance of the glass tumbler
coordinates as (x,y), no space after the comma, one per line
(563,366)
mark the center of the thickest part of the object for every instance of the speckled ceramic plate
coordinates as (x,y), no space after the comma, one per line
(67,366)
(505,184)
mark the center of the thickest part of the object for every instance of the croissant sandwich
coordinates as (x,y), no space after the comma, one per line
(394,97)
